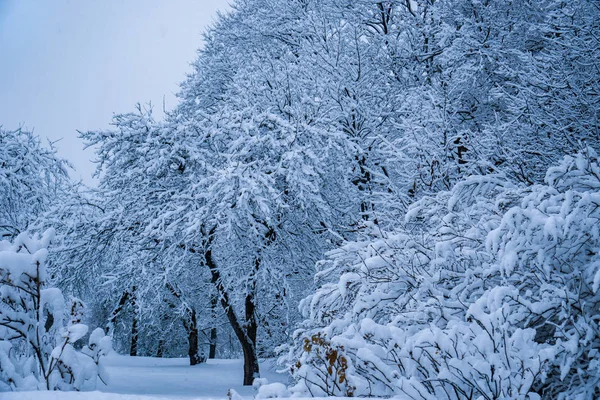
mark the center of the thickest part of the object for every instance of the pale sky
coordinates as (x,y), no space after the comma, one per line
(68,65)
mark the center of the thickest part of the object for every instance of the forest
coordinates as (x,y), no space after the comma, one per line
(390,198)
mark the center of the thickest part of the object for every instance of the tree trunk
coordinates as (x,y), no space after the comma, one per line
(251,369)
(134,336)
(190,323)
(192,328)
(363,183)
(134,325)
(212,352)
(110,325)
(214,300)
(160,348)
(246,337)
(250,358)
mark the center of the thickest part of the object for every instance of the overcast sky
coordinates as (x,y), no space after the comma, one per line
(68,65)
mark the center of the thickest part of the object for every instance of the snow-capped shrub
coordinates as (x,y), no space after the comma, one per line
(38,328)
(272,391)
(548,247)
(324,368)
(487,291)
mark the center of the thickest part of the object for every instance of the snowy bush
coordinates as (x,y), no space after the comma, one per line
(487,291)
(271,391)
(38,327)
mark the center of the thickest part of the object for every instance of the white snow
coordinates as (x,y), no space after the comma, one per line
(76,332)
(148,378)
(137,378)
(175,378)
(272,390)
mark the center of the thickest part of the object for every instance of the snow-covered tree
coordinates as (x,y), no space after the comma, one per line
(308,124)
(32,178)
(147,276)
(39,327)
(489,290)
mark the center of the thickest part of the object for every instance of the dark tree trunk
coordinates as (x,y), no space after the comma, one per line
(161,348)
(134,326)
(192,327)
(214,301)
(134,337)
(247,336)
(212,351)
(461,149)
(364,182)
(251,369)
(190,323)
(109,328)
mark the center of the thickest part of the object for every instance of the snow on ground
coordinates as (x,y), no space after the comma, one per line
(175,378)
(147,378)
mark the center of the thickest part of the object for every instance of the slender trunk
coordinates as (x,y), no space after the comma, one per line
(134,326)
(110,325)
(160,348)
(190,323)
(251,369)
(364,183)
(192,328)
(212,351)
(214,300)
(134,337)
(250,358)
(246,337)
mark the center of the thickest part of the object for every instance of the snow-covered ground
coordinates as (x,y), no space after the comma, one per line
(147,378)
(175,378)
